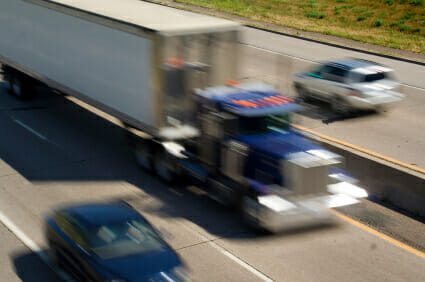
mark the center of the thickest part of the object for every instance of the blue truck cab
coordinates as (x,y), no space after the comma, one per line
(247,154)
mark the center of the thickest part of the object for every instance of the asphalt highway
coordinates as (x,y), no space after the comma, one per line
(54,151)
(398,133)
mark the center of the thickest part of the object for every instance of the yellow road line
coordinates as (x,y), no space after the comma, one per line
(360,149)
(380,235)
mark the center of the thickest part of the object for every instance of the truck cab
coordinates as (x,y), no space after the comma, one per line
(248,155)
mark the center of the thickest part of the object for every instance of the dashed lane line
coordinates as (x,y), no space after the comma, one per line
(382,236)
(228,254)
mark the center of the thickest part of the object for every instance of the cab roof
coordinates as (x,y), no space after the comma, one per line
(149,16)
(350,64)
(249,99)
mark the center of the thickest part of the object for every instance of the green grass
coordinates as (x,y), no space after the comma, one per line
(392,23)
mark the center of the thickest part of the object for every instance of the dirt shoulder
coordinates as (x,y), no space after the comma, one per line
(312,36)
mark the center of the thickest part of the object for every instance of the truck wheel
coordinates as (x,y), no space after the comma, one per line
(143,157)
(16,87)
(7,85)
(19,87)
(164,167)
(247,209)
(223,193)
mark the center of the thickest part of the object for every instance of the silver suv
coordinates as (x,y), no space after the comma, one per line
(350,84)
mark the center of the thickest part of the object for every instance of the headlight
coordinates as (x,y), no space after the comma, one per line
(275,203)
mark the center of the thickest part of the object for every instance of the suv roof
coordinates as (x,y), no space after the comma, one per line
(349,64)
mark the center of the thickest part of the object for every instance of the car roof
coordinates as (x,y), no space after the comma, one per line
(349,64)
(93,215)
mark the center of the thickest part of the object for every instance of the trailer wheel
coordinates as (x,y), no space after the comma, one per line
(19,87)
(16,87)
(164,167)
(6,82)
(143,157)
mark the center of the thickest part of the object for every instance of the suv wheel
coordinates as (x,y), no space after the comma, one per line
(339,105)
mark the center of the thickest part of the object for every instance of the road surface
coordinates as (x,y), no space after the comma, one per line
(398,133)
(55,152)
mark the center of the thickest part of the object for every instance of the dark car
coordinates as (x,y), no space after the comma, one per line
(110,242)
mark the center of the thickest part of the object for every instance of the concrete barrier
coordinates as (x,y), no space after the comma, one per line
(386,181)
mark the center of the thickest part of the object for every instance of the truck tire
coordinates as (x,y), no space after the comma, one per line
(222,192)
(143,157)
(6,83)
(165,168)
(19,87)
(250,220)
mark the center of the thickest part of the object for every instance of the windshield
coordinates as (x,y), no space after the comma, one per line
(252,125)
(121,239)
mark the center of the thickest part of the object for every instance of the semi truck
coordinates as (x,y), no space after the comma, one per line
(171,76)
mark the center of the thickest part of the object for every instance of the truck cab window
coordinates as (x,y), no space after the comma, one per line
(251,125)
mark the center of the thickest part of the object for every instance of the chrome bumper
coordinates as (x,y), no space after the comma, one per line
(276,214)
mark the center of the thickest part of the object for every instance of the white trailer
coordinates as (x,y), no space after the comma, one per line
(121,56)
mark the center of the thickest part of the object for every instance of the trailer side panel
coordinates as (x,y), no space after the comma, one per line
(108,66)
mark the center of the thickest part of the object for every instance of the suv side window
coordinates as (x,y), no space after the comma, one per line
(334,73)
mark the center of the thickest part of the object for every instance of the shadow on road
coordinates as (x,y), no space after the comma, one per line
(321,111)
(30,268)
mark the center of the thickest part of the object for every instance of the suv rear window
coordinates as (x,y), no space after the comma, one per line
(374,76)
(361,77)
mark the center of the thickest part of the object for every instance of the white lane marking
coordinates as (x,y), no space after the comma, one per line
(414,87)
(309,61)
(20,235)
(39,135)
(231,256)
(168,278)
(277,53)
(30,244)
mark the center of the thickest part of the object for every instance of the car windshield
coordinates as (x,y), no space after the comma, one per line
(121,239)
(251,125)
